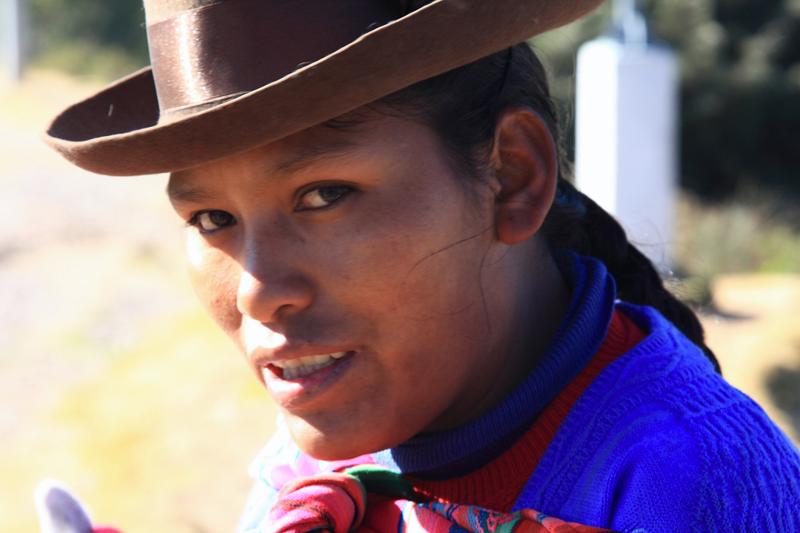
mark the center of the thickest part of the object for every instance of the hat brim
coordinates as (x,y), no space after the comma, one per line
(117,131)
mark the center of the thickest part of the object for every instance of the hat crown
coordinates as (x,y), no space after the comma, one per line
(204,52)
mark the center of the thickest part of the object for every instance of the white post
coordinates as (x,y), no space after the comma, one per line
(13,25)
(626,131)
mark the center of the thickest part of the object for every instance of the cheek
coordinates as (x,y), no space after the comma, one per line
(418,280)
(215,278)
(422,266)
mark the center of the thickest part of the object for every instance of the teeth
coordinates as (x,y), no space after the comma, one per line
(303,366)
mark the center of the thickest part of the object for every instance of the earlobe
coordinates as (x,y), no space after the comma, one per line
(525,162)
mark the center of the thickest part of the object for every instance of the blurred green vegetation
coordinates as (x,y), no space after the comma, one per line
(748,234)
(784,387)
(103,39)
(752,232)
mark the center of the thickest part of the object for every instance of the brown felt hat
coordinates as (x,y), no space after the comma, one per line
(230,75)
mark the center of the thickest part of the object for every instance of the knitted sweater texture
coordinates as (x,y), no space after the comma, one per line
(661,442)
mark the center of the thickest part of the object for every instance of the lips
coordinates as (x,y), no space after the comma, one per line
(296,382)
(304,366)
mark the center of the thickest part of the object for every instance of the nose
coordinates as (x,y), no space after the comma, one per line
(270,299)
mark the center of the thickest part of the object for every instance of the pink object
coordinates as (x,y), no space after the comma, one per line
(328,502)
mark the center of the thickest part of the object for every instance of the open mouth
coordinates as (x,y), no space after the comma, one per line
(291,369)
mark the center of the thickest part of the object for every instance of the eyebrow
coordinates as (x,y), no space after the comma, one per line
(305,156)
(181,191)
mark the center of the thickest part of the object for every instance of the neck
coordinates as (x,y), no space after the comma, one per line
(544,304)
(541,298)
(524,324)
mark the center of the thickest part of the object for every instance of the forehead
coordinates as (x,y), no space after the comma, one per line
(365,135)
(336,139)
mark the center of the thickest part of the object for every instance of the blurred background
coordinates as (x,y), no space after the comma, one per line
(113,380)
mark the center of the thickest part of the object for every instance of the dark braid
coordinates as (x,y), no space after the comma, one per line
(463,107)
(577,223)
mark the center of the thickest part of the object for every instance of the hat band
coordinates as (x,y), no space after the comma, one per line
(212,53)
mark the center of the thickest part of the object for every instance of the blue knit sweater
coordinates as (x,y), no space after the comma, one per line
(657,442)
(660,442)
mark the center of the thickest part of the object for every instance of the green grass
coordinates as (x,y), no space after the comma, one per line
(748,234)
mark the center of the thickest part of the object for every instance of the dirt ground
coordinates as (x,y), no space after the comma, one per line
(112,380)
(757,339)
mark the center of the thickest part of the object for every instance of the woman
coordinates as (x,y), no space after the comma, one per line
(377,214)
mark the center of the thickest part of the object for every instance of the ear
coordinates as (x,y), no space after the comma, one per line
(525,162)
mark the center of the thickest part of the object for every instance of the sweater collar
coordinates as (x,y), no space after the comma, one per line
(580,335)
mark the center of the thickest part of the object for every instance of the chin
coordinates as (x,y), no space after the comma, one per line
(337,444)
(321,444)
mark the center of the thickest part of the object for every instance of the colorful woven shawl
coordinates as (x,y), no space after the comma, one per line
(368,498)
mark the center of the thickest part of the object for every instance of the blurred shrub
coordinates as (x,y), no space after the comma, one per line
(784,387)
(749,233)
(104,39)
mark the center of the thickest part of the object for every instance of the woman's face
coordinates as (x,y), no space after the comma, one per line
(359,275)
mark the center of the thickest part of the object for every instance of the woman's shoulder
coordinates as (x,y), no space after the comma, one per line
(667,373)
(659,432)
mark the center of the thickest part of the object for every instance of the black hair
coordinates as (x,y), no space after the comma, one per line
(463,106)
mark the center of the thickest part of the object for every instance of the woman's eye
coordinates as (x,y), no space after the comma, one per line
(324,196)
(211,221)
